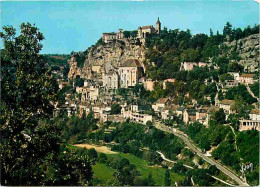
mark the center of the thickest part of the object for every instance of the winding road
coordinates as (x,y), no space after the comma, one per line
(229,173)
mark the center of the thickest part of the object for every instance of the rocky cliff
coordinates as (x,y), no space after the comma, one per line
(115,53)
(248,50)
(119,51)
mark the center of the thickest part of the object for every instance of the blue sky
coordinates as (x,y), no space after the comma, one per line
(74,26)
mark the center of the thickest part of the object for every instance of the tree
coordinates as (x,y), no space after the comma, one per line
(30,148)
(190,55)
(179,168)
(115,109)
(93,154)
(227,29)
(102,158)
(150,181)
(79,82)
(220,116)
(167,178)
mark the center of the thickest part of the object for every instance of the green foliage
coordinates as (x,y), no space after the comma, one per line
(225,77)
(226,152)
(179,168)
(128,34)
(190,55)
(150,181)
(75,129)
(237,33)
(219,116)
(248,144)
(102,158)
(74,168)
(171,47)
(125,172)
(80,57)
(115,109)
(255,88)
(79,82)
(30,142)
(235,67)
(240,91)
(131,137)
(167,178)
(201,177)
(207,137)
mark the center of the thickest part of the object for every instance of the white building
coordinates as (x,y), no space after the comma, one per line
(130,72)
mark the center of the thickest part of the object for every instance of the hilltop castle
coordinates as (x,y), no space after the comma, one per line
(142,33)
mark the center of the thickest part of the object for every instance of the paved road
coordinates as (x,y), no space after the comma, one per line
(199,153)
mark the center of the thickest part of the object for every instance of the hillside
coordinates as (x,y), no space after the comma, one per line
(162,55)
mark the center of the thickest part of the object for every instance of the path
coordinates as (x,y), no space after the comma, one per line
(172,161)
(252,94)
(200,154)
(233,133)
(102,149)
(168,160)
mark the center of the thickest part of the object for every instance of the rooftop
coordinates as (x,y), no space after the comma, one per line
(131,63)
(227,102)
(162,100)
(247,75)
(255,111)
(147,27)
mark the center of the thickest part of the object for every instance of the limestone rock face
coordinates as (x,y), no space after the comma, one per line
(84,72)
(248,50)
(73,67)
(114,53)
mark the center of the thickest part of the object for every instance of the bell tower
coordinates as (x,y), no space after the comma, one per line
(158,26)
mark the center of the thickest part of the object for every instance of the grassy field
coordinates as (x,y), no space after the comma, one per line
(102,172)
(144,169)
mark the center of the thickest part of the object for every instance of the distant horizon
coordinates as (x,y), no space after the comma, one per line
(75,26)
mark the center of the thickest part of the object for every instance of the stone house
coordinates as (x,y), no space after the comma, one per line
(254,114)
(201,115)
(235,75)
(89,93)
(141,118)
(109,37)
(246,79)
(167,80)
(225,105)
(189,115)
(96,68)
(179,111)
(249,125)
(160,104)
(136,113)
(168,112)
(188,66)
(149,84)
(230,83)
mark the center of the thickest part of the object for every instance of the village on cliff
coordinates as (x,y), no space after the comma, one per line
(119,63)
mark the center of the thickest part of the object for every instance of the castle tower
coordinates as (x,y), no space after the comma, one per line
(158,26)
